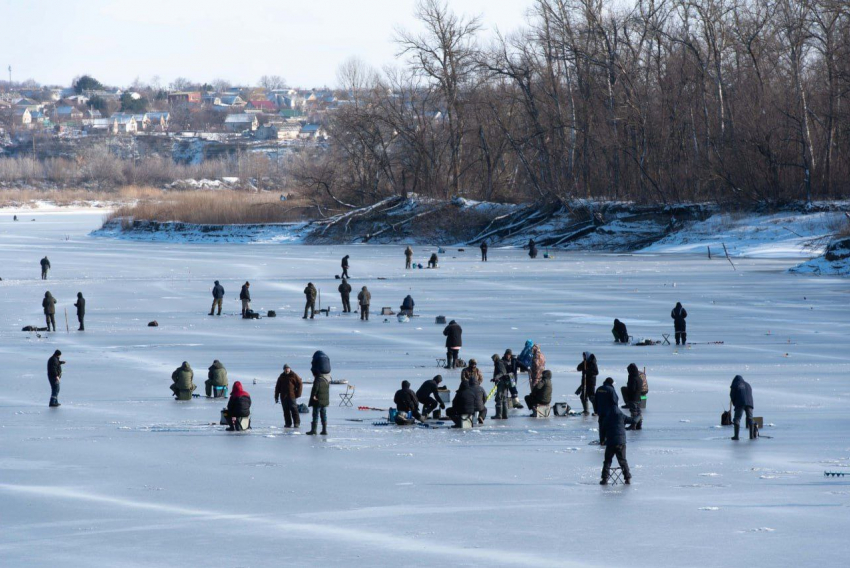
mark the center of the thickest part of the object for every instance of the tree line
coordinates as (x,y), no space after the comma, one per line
(657,101)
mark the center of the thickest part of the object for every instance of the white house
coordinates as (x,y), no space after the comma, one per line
(241,122)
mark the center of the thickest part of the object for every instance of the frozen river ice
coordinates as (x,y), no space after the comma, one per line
(122,475)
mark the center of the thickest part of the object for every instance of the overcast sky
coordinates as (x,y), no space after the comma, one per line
(116,41)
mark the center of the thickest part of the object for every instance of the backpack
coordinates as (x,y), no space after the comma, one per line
(726,418)
(251,314)
(561,409)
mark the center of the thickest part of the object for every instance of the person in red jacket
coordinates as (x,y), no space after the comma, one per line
(239,406)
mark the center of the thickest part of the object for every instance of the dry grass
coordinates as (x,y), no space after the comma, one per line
(215,208)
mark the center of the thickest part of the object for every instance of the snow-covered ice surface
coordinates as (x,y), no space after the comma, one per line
(122,475)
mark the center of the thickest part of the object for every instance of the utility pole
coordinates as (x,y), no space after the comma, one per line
(10,77)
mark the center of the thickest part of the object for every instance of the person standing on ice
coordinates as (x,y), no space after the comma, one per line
(454,341)
(532,248)
(432,262)
(604,401)
(615,444)
(245,296)
(288,390)
(620,333)
(538,365)
(45,266)
(632,393)
(345,294)
(48,305)
(429,395)
(472,374)
(320,393)
(741,394)
(408,257)
(679,326)
(81,311)
(484,251)
(345,267)
(218,297)
(502,378)
(512,365)
(589,371)
(364,298)
(310,293)
(54,374)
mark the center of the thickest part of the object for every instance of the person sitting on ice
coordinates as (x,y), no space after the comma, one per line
(621,334)
(541,393)
(432,262)
(216,377)
(238,409)
(462,405)
(407,305)
(405,401)
(181,382)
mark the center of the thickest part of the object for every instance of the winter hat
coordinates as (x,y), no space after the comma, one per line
(79,294)
(451,322)
(609,381)
(495,357)
(405,384)
(57,353)
(547,374)
(508,352)
(438,378)
(472,362)
(216,281)
(285,367)
(587,354)
(528,343)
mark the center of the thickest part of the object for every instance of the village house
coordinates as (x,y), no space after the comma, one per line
(261,106)
(184,98)
(312,132)
(67,114)
(124,123)
(241,122)
(21,116)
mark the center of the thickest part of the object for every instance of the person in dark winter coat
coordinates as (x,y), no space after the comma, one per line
(245,296)
(604,401)
(532,248)
(405,401)
(239,406)
(462,405)
(541,393)
(45,266)
(432,262)
(471,373)
(49,307)
(615,444)
(408,258)
(454,341)
(679,326)
(512,365)
(429,395)
(741,394)
(288,390)
(480,400)
(621,334)
(345,293)
(364,298)
(218,297)
(81,311)
(483,251)
(407,305)
(310,293)
(589,371)
(54,374)
(526,356)
(320,393)
(632,393)
(216,377)
(182,382)
(503,379)
(345,267)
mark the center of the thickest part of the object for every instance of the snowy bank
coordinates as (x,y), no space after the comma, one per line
(834,262)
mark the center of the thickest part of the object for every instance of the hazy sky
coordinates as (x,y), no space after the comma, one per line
(116,41)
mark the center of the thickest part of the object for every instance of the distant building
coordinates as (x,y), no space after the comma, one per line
(241,122)
(184,98)
(312,132)
(262,105)
(67,114)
